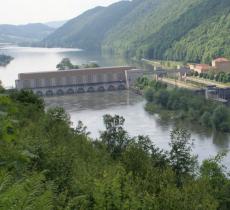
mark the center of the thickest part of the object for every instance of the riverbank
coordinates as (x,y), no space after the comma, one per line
(186,105)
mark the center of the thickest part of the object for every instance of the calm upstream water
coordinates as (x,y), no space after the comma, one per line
(91,107)
(29,59)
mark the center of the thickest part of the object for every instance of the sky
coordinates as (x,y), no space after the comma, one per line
(34,11)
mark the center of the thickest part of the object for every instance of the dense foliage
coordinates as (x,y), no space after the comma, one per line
(189,30)
(176,30)
(66,64)
(5,60)
(47,164)
(186,105)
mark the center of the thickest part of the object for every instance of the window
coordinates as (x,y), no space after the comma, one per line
(48,82)
(69,81)
(100,77)
(58,81)
(120,77)
(109,77)
(90,78)
(79,79)
(38,83)
(26,84)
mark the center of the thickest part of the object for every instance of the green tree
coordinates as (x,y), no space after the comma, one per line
(214,175)
(66,64)
(90,65)
(182,161)
(221,118)
(206,119)
(81,129)
(27,98)
(29,193)
(149,95)
(114,137)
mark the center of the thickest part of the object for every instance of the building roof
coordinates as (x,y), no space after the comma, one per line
(221,60)
(76,72)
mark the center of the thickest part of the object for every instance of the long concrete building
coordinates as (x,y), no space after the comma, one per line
(51,83)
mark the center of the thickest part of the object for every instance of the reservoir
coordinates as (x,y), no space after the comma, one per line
(91,107)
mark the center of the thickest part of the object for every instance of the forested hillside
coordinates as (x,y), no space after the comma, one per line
(24,33)
(191,30)
(88,30)
(47,164)
(211,39)
(161,31)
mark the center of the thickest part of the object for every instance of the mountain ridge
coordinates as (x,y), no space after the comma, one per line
(152,29)
(24,33)
(84,36)
(56,24)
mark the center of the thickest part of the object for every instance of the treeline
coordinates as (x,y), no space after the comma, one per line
(66,64)
(47,164)
(223,77)
(186,105)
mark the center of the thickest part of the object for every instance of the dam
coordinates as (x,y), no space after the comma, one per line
(57,83)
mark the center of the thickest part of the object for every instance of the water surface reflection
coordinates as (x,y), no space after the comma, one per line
(91,107)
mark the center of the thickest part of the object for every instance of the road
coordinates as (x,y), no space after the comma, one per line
(180,84)
(208,82)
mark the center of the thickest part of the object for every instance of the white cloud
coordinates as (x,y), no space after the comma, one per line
(27,11)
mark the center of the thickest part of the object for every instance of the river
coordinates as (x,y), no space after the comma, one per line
(91,107)
(27,59)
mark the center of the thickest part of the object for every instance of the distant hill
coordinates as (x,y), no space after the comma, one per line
(191,30)
(89,29)
(56,24)
(24,33)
